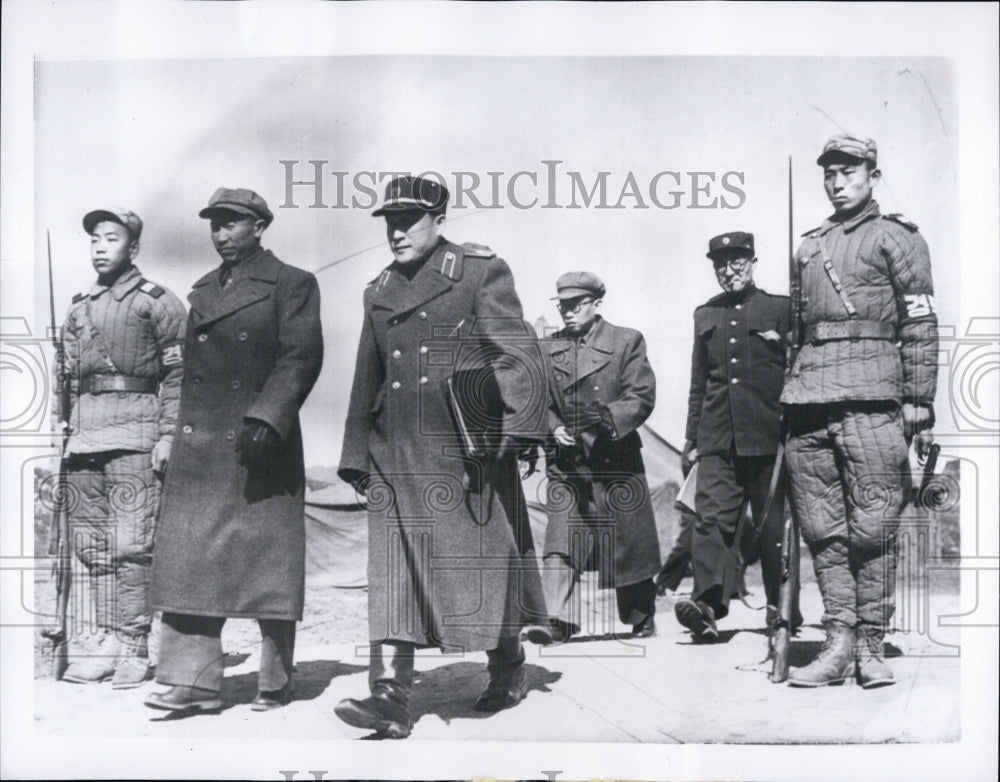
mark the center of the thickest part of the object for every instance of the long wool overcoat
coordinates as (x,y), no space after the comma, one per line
(231,542)
(451,559)
(598,504)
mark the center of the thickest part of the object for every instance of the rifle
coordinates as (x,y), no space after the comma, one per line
(782,629)
(62,566)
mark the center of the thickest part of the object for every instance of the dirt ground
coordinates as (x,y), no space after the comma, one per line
(599,687)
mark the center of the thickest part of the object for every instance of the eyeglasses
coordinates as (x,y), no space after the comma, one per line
(737,265)
(573,306)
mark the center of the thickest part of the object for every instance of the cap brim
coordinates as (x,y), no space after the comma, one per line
(747,251)
(399,209)
(91,219)
(238,209)
(833,154)
(575,293)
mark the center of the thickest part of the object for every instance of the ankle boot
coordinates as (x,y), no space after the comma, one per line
(133,666)
(872,670)
(508,683)
(833,664)
(386,711)
(96,664)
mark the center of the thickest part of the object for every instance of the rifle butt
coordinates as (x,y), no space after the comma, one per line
(782,645)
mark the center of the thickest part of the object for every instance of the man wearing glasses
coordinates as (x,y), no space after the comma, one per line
(733,426)
(601,389)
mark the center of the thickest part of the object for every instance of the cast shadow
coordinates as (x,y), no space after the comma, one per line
(450,691)
(310,680)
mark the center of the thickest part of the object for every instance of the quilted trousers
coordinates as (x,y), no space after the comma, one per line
(849,474)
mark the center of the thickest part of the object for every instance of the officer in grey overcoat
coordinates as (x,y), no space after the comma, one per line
(448,386)
(601,389)
(231,537)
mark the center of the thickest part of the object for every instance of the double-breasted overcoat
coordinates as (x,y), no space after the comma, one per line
(231,541)
(451,559)
(601,481)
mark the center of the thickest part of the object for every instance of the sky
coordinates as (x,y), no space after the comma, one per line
(160,135)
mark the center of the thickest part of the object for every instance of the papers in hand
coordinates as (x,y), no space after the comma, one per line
(685,496)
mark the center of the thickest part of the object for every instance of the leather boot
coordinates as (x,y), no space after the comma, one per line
(386,711)
(133,666)
(508,683)
(390,679)
(872,670)
(834,663)
(97,664)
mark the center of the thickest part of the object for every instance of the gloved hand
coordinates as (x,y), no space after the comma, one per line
(605,424)
(256,444)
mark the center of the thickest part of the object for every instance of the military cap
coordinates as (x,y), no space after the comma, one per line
(413,193)
(116,214)
(730,244)
(239,200)
(852,146)
(572,285)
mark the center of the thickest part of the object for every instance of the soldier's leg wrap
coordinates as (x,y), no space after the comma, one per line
(719,499)
(191,651)
(277,653)
(133,497)
(817,492)
(875,457)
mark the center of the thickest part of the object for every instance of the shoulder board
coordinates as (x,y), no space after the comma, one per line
(898,218)
(813,231)
(151,288)
(477,251)
(79,297)
(379,281)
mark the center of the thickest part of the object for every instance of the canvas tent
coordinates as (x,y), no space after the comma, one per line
(337,530)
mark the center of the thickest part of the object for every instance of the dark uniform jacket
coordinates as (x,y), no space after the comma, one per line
(608,365)
(883,266)
(132,330)
(737,371)
(451,559)
(232,542)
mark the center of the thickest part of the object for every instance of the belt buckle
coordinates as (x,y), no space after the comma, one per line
(97,384)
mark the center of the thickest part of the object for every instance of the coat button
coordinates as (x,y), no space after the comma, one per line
(243,336)
(230,435)
(202,337)
(735,380)
(396,385)
(733,323)
(423,381)
(732,340)
(236,384)
(187,429)
(423,316)
(196,382)
(396,354)
(392,322)
(733,360)
(597,388)
(423,350)
(739,306)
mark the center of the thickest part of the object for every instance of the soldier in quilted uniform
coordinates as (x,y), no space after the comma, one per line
(861,389)
(124,360)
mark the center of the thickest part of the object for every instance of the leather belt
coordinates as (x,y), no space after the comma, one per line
(849,329)
(105,384)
